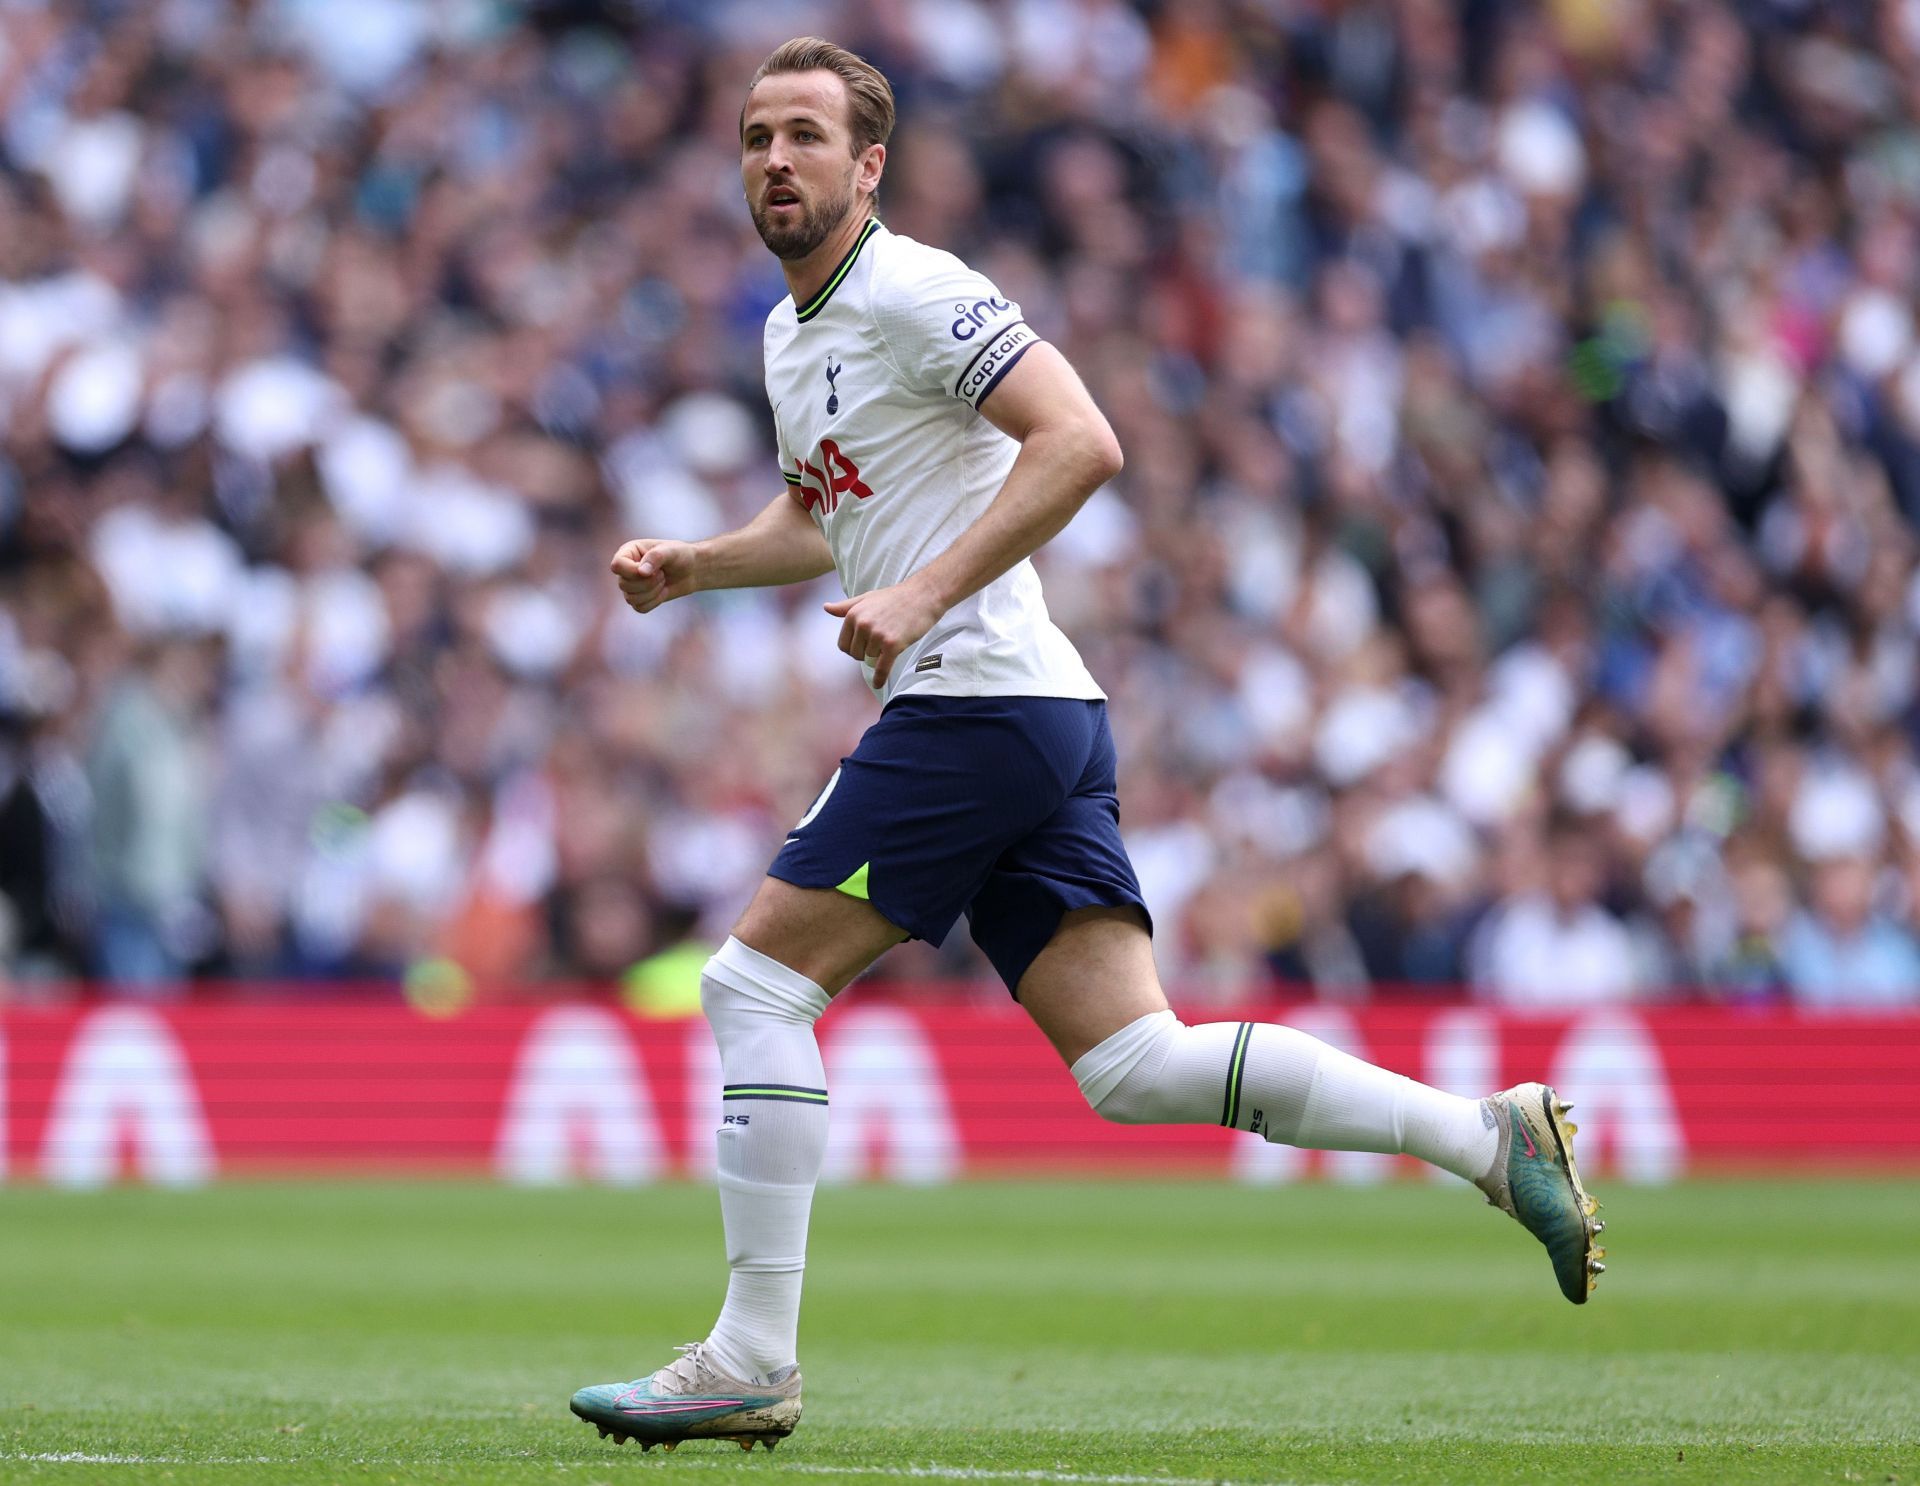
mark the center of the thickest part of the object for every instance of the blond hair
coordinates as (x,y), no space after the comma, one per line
(869,94)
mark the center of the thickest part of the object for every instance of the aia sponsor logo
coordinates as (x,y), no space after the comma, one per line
(969,319)
(822,484)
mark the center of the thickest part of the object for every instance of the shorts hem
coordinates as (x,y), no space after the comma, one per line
(1013,968)
(926,929)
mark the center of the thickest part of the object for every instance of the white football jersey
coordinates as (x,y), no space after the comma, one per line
(876,385)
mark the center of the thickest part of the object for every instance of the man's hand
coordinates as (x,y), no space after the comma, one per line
(879,625)
(650,572)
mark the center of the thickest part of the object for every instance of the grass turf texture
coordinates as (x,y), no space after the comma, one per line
(402,1333)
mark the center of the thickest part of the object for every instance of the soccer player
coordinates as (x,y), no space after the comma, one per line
(931,442)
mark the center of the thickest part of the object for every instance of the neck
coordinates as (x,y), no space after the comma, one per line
(806,276)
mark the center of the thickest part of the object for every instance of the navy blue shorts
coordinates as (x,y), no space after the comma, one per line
(1002,808)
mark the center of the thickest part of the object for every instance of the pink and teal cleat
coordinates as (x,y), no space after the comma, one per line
(692,1399)
(1533,1179)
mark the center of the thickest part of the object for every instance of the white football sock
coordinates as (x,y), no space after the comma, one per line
(1283,1085)
(772,1139)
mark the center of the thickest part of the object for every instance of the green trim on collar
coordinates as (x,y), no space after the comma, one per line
(819,301)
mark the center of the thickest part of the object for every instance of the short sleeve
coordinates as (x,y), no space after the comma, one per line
(948,327)
(789,466)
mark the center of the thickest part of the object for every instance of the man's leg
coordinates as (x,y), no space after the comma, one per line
(792,951)
(762,991)
(1094,992)
(898,840)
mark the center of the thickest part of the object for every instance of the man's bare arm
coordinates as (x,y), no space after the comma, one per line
(1067,451)
(780,545)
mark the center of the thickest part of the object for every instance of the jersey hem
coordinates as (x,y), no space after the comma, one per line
(1056,691)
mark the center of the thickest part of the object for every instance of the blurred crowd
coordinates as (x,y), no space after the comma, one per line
(1512,583)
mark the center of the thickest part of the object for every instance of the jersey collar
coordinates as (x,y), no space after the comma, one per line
(819,301)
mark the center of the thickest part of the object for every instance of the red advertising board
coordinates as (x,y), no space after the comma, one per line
(921,1091)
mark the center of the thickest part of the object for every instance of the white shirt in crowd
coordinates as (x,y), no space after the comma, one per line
(1531,955)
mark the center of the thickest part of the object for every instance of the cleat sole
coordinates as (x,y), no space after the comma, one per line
(748,1441)
(1564,1130)
(1541,1187)
(744,1441)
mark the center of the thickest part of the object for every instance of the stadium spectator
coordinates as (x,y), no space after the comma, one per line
(1522,410)
(1554,945)
(1841,951)
(147,776)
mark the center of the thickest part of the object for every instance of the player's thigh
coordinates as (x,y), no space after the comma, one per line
(1095,976)
(820,933)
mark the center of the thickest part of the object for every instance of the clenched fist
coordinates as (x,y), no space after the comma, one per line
(650,572)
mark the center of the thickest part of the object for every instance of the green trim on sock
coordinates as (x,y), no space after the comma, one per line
(780,1093)
(1236,1071)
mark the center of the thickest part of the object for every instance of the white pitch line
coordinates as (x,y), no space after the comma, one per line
(972,1473)
(82,1457)
(895,1472)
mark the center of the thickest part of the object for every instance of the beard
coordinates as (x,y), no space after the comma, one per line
(796,239)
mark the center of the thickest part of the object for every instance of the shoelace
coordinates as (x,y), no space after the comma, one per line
(686,1369)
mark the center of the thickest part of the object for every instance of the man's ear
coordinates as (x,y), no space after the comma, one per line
(873,163)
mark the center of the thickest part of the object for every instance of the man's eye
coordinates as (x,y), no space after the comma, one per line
(805,134)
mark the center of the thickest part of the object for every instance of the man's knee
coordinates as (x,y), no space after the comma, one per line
(1121,1078)
(739,983)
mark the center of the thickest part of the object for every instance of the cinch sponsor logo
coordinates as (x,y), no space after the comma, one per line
(969,318)
(993,358)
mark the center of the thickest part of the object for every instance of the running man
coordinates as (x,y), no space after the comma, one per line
(931,442)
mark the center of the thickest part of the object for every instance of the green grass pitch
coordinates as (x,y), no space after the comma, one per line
(1069,1333)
